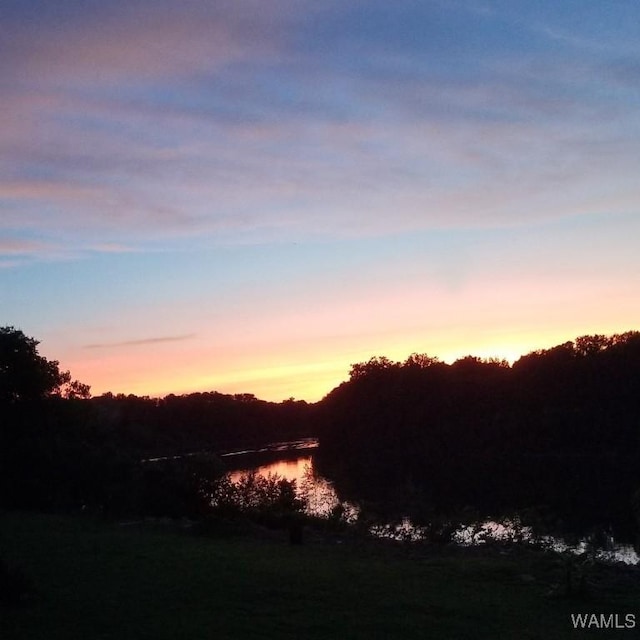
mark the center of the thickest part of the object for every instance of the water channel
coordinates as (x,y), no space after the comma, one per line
(295,461)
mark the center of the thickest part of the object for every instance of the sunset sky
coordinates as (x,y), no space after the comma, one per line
(249,196)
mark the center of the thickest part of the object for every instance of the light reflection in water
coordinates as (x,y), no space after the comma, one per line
(287,469)
(321,500)
(318,493)
(508,531)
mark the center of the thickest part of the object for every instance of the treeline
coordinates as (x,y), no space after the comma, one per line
(70,453)
(209,421)
(560,429)
(61,449)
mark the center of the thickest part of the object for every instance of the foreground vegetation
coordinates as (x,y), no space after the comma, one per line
(556,433)
(93,579)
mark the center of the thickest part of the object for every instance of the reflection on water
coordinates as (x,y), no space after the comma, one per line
(287,469)
(317,492)
(612,553)
(508,531)
(514,531)
(321,500)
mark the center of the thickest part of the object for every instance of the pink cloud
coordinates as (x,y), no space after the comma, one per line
(21,248)
(143,40)
(420,155)
(44,190)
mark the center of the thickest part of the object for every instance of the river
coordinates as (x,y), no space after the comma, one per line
(291,461)
(295,461)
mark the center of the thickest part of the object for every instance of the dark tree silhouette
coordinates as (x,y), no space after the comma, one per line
(559,428)
(24,374)
(49,453)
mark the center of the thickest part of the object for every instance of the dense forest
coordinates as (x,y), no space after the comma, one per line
(62,449)
(559,430)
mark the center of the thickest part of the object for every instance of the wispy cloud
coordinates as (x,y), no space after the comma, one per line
(111,247)
(17,251)
(100,45)
(22,250)
(140,342)
(9,264)
(141,122)
(18,247)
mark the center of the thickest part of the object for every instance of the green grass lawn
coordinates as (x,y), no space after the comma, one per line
(98,580)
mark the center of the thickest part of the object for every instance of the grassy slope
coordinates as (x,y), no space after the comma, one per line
(98,580)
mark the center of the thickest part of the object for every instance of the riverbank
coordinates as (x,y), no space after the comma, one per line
(94,579)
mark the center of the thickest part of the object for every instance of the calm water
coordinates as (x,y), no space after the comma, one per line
(318,492)
(321,498)
(288,469)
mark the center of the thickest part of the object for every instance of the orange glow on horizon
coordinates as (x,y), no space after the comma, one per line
(292,377)
(267,252)
(305,351)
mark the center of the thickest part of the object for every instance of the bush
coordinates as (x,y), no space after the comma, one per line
(272,500)
(16,588)
(178,487)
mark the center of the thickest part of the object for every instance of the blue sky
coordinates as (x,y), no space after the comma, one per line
(250,196)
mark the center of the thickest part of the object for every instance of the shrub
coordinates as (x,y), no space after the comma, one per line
(178,487)
(270,500)
(16,587)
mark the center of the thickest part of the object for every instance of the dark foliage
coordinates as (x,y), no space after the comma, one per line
(16,587)
(26,376)
(61,450)
(208,421)
(559,429)
(55,455)
(178,487)
(271,501)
